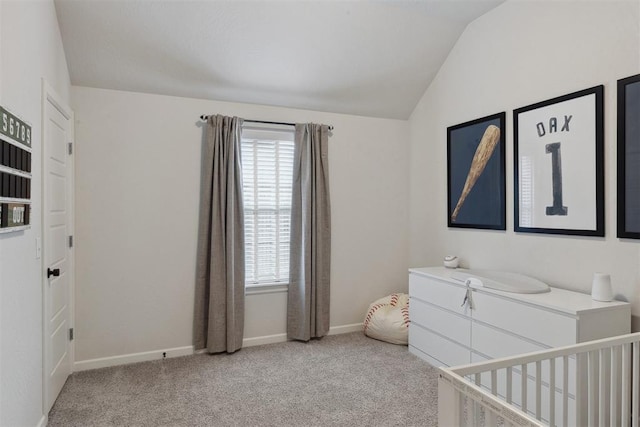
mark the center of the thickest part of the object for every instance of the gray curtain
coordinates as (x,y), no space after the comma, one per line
(310,257)
(220,274)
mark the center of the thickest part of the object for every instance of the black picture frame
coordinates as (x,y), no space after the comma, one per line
(629,157)
(482,204)
(559,165)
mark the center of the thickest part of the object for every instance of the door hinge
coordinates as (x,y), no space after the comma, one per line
(71,148)
(70,241)
(70,334)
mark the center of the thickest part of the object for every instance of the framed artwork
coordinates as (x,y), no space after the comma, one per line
(629,157)
(559,165)
(476,174)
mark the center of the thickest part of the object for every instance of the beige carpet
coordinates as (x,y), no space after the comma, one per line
(340,380)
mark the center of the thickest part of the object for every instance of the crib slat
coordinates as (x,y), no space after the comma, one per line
(582,394)
(602,388)
(591,405)
(475,412)
(565,390)
(626,389)
(468,408)
(490,418)
(552,392)
(613,404)
(494,382)
(523,388)
(509,385)
(635,393)
(539,390)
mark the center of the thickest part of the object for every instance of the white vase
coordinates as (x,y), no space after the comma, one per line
(601,288)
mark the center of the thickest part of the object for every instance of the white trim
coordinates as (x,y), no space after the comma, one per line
(55,99)
(275,288)
(71,231)
(268,131)
(345,329)
(266,339)
(43,421)
(272,339)
(104,362)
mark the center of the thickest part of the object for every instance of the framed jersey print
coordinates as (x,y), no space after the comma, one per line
(559,165)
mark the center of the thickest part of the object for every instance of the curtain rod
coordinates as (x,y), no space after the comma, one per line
(205,117)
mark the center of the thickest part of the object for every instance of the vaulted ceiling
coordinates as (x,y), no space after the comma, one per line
(370,58)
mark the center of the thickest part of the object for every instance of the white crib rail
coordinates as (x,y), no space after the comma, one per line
(605,374)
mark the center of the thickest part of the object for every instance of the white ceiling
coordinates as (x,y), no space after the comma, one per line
(370,58)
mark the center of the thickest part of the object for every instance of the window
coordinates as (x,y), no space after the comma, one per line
(267,168)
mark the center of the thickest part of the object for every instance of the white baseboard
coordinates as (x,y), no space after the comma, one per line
(345,329)
(43,421)
(267,339)
(124,359)
(272,339)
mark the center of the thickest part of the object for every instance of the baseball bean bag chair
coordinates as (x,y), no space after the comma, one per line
(388,319)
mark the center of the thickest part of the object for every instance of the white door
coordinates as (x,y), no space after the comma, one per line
(57,173)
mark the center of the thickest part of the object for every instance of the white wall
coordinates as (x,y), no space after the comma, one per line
(30,48)
(520,53)
(137,195)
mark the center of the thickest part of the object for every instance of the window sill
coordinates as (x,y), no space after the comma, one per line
(268,288)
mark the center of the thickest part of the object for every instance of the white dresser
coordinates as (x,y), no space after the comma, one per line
(446,330)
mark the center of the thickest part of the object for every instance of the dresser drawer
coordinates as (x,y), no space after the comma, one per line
(450,325)
(546,327)
(442,349)
(496,344)
(434,291)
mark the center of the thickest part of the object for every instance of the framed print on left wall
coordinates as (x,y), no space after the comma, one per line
(559,165)
(476,174)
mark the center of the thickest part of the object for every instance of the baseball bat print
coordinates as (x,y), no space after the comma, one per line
(481,157)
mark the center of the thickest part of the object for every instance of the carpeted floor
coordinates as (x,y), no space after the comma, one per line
(341,380)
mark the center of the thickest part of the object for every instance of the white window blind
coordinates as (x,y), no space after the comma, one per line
(267,168)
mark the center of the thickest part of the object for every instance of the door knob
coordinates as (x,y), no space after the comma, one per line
(54,273)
